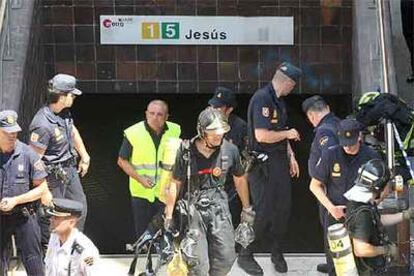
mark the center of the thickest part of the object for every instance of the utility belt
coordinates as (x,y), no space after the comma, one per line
(58,169)
(252,159)
(24,210)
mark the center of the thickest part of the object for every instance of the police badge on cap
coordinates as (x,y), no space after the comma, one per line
(8,121)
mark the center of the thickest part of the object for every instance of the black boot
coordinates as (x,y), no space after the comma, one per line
(279,261)
(248,263)
(323,268)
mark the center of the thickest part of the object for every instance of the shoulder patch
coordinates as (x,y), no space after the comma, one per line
(323,141)
(34,137)
(89,261)
(39,166)
(265,111)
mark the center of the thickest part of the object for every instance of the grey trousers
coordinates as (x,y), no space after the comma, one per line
(215,245)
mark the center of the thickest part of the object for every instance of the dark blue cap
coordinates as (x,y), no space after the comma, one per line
(223,97)
(348,132)
(63,207)
(290,70)
(8,121)
(65,83)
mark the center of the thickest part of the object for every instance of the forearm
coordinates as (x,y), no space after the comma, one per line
(318,190)
(171,197)
(242,189)
(391,219)
(364,249)
(128,169)
(32,195)
(270,136)
(80,146)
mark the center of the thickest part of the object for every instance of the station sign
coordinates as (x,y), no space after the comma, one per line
(196,30)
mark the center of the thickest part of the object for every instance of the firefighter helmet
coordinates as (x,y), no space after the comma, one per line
(213,120)
(373,175)
(367,97)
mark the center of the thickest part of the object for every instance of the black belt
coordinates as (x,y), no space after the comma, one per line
(67,163)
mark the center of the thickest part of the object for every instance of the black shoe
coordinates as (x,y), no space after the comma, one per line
(323,268)
(249,265)
(280,264)
(410,78)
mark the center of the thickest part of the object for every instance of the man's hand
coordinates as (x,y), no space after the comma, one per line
(337,211)
(391,250)
(7,204)
(168,224)
(83,167)
(408,214)
(146,182)
(293,167)
(248,215)
(292,134)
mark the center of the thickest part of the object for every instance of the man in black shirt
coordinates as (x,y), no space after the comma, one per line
(208,160)
(371,246)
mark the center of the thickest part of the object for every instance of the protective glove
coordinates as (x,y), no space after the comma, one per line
(391,250)
(248,215)
(408,214)
(168,224)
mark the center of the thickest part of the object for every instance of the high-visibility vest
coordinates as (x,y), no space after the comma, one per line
(145,157)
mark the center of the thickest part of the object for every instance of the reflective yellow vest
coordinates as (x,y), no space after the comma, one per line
(145,158)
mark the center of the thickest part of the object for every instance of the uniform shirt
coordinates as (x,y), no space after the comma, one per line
(362,227)
(18,170)
(338,170)
(325,137)
(58,256)
(125,152)
(238,132)
(266,111)
(53,133)
(208,172)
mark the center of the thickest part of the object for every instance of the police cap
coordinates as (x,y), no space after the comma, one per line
(311,101)
(63,207)
(223,97)
(290,70)
(8,121)
(348,132)
(65,83)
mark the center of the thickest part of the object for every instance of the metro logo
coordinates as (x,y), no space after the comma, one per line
(168,30)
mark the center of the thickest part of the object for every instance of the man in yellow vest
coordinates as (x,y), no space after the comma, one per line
(139,157)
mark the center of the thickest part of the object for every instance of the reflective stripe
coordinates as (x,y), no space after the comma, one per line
(145,167)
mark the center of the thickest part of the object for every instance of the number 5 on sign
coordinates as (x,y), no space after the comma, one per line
(170,30)
(150,30)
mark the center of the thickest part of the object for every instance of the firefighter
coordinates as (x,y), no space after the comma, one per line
(208,160)
(371,246)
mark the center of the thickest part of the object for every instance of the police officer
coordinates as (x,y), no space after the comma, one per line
(22,183)
(69,252)
(336,171)
(224,100)
(142,147)
(325,123)
(371,245)
(210,160)
(270,181)
(55,137)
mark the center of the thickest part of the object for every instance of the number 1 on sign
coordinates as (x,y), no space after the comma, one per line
(150,30)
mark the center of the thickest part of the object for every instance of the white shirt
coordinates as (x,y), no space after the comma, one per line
(58,256)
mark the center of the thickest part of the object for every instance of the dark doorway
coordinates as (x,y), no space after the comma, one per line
(101,120)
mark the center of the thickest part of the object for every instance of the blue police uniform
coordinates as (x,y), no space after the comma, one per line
(270,185)
(19,168)
(53,133)
(338,171)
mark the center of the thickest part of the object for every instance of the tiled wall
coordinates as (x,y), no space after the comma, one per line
(323,37)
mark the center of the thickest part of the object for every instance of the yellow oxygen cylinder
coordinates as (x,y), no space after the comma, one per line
(341,250)
(177,266)
(167,162)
